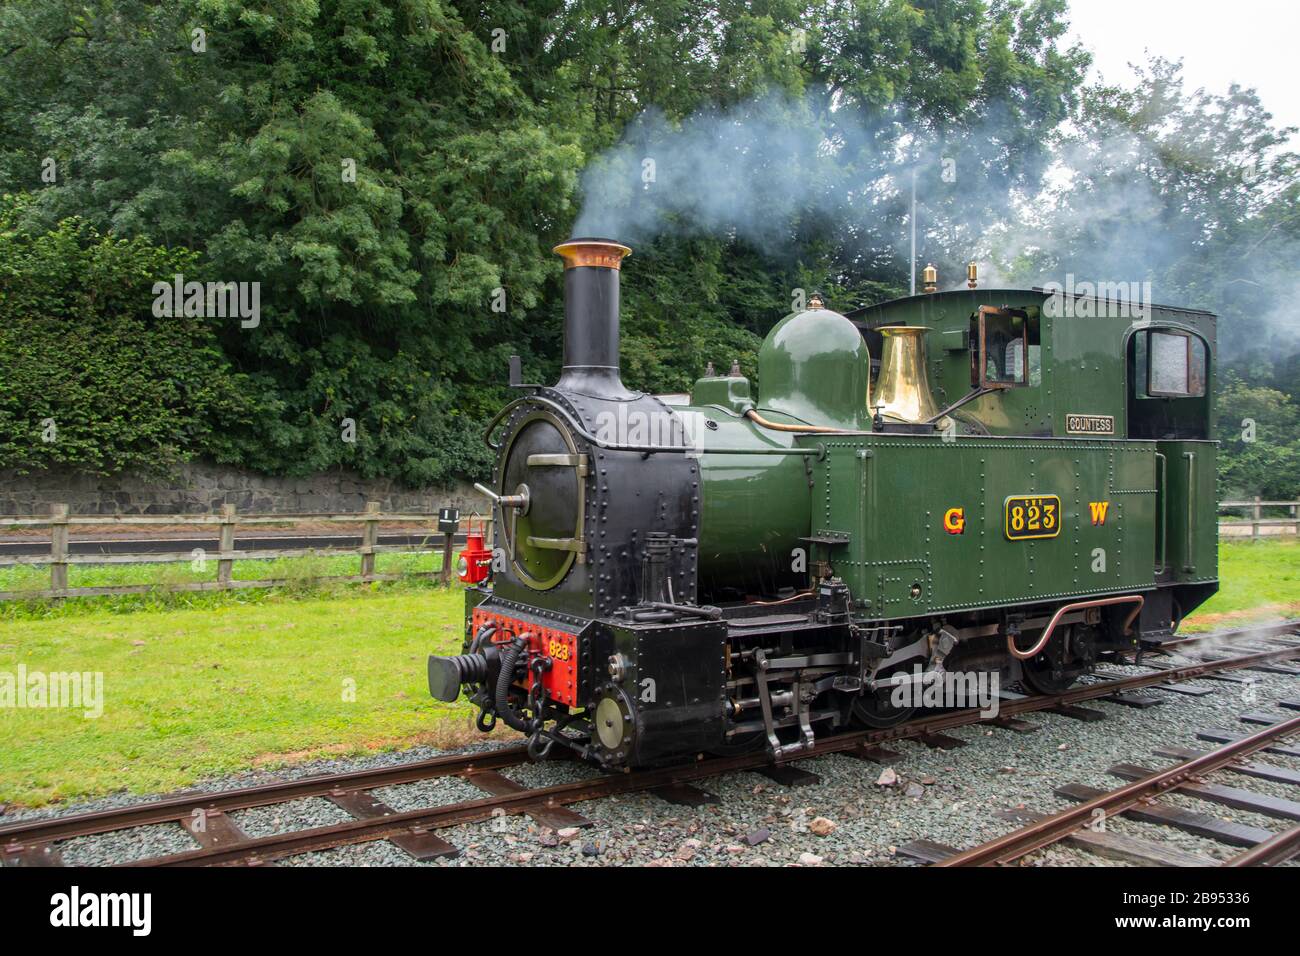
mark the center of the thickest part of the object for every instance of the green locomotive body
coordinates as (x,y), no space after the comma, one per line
(1007,483)
(931,527)
(1133,473)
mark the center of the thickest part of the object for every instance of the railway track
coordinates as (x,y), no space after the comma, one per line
(1083,825)
(220,841)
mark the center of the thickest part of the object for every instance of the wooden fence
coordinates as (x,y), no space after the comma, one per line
(59,521)
(1257,522)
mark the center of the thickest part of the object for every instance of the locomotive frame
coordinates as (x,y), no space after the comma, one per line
(781,564)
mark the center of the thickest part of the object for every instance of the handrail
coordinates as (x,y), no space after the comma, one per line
(1163,484)
(581,431)
(1188,563)
(757,419)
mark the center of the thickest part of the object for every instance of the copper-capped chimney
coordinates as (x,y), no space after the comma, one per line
(591,268)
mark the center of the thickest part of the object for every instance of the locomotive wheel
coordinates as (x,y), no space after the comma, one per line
(876,712)
(1048,673)
(1038,675)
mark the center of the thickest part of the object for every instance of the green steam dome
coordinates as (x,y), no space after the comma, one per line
(814,367)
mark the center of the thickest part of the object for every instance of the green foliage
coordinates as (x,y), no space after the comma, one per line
(89,377)
(375,289)
(305,575)
(467,126)
(1194,192)
(1259,428)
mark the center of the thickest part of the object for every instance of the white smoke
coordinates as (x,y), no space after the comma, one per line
(777,169)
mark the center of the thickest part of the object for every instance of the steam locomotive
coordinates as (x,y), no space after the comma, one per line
(1014,483)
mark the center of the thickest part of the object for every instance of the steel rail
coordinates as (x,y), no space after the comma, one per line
(1276,849)
(1260,631)
(273,847)
(181,806)
(1077,695)
(1058,826)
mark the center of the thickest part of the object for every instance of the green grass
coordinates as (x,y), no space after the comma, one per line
(34,577)
(191,693)
(302,575)
(204,684)
(1258,580)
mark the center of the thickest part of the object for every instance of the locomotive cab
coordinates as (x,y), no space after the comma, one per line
(1124,378)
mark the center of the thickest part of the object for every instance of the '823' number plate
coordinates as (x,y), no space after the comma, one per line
(1033,516)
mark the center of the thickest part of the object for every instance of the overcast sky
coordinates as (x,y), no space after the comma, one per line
(1251,42)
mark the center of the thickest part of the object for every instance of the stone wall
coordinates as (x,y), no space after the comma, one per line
(202,489)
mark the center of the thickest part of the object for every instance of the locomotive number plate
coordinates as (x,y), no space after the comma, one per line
(1033,516)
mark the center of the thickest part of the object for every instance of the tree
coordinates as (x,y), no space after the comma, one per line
(1259,428)
(394,174)
(374,167)
(1195,193)
(92,378)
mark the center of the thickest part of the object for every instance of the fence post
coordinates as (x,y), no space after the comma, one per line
(226,545)
(1296,517)
(59,548)
(1254,524)
(369,538)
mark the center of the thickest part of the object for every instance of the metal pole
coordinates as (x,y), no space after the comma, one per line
(911,262)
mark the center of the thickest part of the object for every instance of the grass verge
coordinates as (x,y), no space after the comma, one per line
(303,576)
(1258,581)
(192,693)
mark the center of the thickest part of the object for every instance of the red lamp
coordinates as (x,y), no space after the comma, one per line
(475,562)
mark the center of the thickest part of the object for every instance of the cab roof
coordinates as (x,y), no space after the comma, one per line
(861,312)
